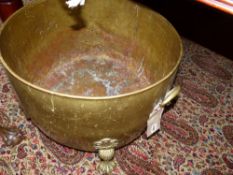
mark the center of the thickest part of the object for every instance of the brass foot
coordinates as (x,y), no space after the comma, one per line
(106,153)
(11,136)
(107,164)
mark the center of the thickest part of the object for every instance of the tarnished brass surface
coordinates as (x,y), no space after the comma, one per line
(11,136)
(78,121)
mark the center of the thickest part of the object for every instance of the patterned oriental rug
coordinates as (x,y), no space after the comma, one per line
(196,137)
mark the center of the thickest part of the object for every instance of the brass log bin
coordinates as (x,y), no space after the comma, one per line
(46,33)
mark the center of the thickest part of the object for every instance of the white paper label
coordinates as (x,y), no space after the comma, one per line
(153,123)
(75,3)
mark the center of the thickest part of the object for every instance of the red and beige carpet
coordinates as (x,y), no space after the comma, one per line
(196,137)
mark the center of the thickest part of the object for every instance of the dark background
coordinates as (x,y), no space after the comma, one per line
(198,22)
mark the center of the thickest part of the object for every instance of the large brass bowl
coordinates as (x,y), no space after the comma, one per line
(80,121)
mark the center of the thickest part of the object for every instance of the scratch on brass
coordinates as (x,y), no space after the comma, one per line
(52,104)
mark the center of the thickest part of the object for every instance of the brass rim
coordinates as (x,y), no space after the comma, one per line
(85,97)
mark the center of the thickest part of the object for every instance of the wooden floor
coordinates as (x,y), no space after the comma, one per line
(198,22)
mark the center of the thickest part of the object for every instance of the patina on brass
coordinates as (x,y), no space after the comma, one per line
(79,121)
